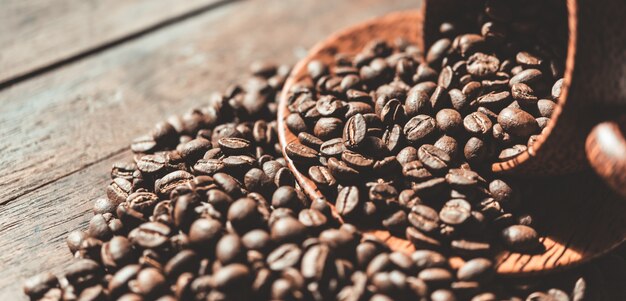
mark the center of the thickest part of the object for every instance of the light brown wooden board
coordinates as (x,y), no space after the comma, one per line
(60,132)
(35,33)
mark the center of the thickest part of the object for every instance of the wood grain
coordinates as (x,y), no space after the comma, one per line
(559,205)
(61,122)
(34,34)
(60,132)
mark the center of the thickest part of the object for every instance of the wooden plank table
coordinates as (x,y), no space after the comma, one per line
(79,79)
(60,130)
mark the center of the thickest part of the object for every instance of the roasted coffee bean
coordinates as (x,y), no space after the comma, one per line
(477,124)
(166,184)
(348,201)
(341,171)
(288,229)
(512,152)
(316,262)
(437,51)
(151,235)
(449,121)
(449,145)
(442,295)
(232,277)
(332,147)
(416,171)
(475,150)
(421,240)
(406,155)
(83,273)
(244,215)
(357,160)
(521,238)
(301,153)
(433,158)
(322,176)
(38,285)
(467,248)
(462,178)
(477,269)
(234,146)
(283,257)
(528,77)
(494,99)
(482,65)
(419,128)
(204,232)
(455,212)
(517,122)
(440,98)
(523,94)
(312,218)
(424,218)
(417,102)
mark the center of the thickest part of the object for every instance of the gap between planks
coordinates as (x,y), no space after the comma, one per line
(96,49)
(30,190)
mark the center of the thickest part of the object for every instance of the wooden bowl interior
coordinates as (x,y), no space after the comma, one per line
(579,217)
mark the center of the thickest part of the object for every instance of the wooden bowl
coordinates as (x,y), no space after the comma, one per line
(580,218)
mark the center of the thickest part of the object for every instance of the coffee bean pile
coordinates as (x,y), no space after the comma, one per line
(407,144)
(208,210)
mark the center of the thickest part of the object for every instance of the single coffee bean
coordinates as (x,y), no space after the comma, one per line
(38,285)
(234,146)
(512,152)
(312,218)
(494,99)
(287,255)
(424,218)
(477,269)
(417,102)
(406,155)
(437,51)
(517,122)
(301,153)
(348,201)
(521,238)
(328,127)
(333,147)
(151,235)
(449,121)
(433,158)
(288,229)
(416,171)
(436,276)
(477,124)
(528,77)
(357,160)
(455,212)
(482,65)
(421,240)
(354,131)
(419,128)
(316,262)
(527,59)
(523,94)
(232,277)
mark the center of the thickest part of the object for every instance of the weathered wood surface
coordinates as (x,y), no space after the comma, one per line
(35,34)
(61,131)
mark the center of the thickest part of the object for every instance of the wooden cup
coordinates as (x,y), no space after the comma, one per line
(579,217)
